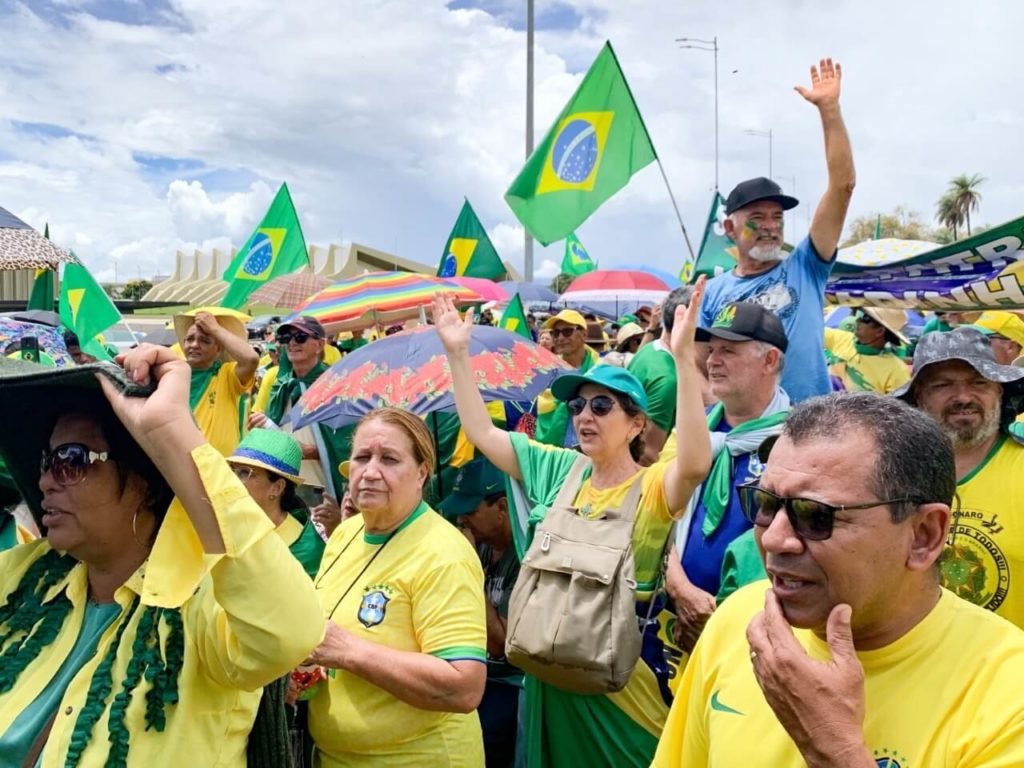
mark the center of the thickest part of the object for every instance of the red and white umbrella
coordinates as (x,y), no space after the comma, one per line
(488,289)
(620,286)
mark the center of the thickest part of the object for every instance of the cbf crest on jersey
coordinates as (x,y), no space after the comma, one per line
(374,605)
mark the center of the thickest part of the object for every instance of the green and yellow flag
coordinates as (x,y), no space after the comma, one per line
(595,146)
(576,261)
(469,252)
(717,252)
(85,308)
(514,319)
(276,248)
(41,295)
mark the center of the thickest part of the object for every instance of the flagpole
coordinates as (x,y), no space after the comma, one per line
(528,241)
(679,216)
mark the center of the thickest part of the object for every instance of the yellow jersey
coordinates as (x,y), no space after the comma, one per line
(221,411)
(862,369)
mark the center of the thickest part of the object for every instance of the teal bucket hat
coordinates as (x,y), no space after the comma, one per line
(608,376)
(271,449)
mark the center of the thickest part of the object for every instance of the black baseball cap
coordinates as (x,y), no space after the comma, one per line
(746,321)
(755,190)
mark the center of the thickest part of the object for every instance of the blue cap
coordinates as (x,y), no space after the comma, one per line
(476,481)
(608,376)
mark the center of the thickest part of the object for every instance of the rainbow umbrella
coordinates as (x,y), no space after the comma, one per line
(378,298)
(410,371)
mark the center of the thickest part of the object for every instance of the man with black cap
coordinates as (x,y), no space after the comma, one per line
(478,504)
(746,349)
(958,382)
(792,286)
(866,359)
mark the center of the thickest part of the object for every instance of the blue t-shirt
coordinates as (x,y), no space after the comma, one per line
(793,289)
(702,557)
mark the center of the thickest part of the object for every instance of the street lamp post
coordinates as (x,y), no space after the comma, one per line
(792,215)
(701,45)
(764,134)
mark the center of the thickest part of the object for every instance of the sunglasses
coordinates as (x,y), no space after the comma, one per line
(243,473)
(299,337)
(811,520)
(600,405)
(565,333)
(68,462)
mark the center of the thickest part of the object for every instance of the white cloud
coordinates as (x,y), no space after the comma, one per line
(382,116)
(548,269)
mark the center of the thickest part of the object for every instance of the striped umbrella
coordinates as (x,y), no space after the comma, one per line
(378,298)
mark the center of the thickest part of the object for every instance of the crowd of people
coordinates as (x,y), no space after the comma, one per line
(726,533)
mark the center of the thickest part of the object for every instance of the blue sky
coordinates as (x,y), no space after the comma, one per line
(138,127)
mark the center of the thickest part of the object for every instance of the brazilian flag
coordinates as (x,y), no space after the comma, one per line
(469,252)
(86,308)
(590,153)
(514,319)
(276,248)
(576,261)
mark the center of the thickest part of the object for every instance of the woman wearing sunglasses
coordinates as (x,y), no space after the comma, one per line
(607,411)
(142,629)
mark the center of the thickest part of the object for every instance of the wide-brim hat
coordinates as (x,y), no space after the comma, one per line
(627,332)
(273,450)
(31,397)
(608,376)
(230,319)
(972,347)
(893,320)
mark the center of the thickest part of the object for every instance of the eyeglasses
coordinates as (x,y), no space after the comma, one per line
(299,337)
(68,462)
(811,520)
(565,333)
(600,405)
(243,473)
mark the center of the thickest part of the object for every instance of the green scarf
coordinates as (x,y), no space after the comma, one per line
(288,389)
(718,486)
(200,383)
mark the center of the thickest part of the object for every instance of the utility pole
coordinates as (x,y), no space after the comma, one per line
(528,240)
(701,45)
(764,134)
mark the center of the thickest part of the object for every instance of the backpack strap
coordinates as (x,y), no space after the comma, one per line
(571,485)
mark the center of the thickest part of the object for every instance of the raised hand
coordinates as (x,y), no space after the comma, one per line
(826,79)
(685,326)
(455,331)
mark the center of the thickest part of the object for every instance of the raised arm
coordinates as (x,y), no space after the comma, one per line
(693,458)
(455,333)
(827,226)
(238,349)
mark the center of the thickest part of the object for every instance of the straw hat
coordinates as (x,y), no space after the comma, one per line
(627,332)
(272,450)
(229,319)
(893,320)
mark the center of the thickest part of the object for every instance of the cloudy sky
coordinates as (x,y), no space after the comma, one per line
(136,127)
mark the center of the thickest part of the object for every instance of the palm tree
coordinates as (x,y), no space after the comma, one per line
(964,191)
(948,213)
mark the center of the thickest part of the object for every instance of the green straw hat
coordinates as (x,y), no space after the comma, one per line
(270,449)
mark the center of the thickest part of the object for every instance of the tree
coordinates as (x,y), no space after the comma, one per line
(561,282)
(135,289)
(964,191)
(111,290)
(948,214)
(901,223)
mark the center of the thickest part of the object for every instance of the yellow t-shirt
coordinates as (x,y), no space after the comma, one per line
(984,560)
(266,384)
(941,696)
(883,372)
(420,591)
(220,413)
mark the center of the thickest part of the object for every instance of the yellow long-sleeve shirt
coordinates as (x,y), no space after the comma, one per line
(249,616)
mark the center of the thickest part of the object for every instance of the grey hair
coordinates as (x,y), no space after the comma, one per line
(680,297)
(913,457)
(764,348)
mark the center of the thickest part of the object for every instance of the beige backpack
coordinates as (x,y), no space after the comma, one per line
(572,618)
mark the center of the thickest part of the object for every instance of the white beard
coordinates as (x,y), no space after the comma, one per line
(768,253)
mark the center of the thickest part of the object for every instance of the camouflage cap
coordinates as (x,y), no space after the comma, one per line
(969,345)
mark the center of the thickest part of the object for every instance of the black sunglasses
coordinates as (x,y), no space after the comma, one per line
(565,333)
(600,405)
(299,337)
(811,520)
(69,462)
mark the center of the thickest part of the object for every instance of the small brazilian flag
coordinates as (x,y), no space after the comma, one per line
(86,308)
(41,295)
(595,146)
(514,319)
(576,260)
(469,251)
(276,248)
